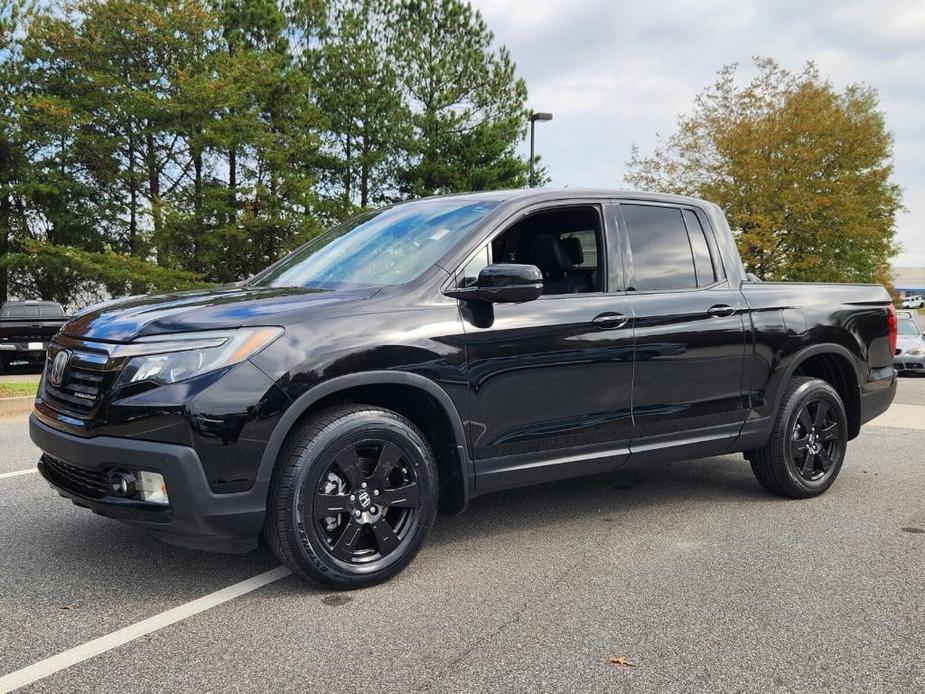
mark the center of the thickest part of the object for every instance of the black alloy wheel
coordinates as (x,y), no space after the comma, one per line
(816,440)
(366,502)
(807,445)
(352,497)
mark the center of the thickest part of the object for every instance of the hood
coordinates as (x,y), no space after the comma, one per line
(125,319)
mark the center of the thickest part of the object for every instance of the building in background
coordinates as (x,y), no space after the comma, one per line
(909,279)
(909,282)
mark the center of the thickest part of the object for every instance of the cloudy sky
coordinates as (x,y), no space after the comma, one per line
(615,72)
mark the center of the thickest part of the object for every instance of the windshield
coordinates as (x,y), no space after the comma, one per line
(907,326)
(385,247)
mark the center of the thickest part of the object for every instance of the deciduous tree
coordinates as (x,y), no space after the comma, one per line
(802,171)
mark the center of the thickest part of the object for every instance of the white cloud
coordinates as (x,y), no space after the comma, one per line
(616,72)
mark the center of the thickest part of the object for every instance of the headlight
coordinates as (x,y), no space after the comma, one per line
(167,359)
(916,351)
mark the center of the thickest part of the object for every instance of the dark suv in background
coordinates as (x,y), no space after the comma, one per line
(25,329)
(423,354)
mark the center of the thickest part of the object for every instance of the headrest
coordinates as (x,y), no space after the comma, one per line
(573,249)
(548,255)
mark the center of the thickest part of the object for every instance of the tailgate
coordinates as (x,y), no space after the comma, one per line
(25,331)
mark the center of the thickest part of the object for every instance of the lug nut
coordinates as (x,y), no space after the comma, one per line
(357,513)
(372,509)
(353,498)
(375,492)
(363,485)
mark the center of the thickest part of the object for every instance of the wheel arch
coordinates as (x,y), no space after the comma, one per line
(388,389)
(837,366)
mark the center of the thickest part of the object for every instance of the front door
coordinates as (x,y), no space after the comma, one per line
(550,380)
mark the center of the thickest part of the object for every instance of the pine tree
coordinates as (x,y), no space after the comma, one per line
(367,123)
(468,104)
(12,156)
(153,143)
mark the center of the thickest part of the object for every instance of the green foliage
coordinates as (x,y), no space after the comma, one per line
(802,172)
(150,144)
(468,105)
(367,122)
(62,273)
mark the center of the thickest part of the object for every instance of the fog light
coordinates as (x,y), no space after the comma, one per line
(122,483)
(151,487)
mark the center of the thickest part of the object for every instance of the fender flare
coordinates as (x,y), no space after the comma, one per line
(811,351)
(367,378)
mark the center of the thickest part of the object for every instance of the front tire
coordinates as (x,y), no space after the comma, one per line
(352,498)
(807,446)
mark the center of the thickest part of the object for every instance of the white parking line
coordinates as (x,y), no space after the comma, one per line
(85,651)
(17,472)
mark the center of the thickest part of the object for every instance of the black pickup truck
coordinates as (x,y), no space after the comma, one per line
(423,354)
(25,329)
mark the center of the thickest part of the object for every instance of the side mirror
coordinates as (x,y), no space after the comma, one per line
(503,283)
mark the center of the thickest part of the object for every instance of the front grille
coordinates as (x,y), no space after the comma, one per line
(78,392)
(94,485)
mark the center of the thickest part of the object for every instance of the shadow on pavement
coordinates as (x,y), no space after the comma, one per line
(88,548)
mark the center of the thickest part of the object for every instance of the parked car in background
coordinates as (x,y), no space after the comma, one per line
(25,329)
(913,301)
(910,345)
(423,354)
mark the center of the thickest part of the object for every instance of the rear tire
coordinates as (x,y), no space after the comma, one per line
(807,446)
(352,498)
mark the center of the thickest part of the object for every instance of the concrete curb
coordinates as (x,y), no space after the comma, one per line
(14,406)
(902,416)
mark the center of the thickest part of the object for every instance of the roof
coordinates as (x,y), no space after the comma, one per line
(543,194)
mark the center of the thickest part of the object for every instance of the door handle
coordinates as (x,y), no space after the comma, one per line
(610,321)
(721,310)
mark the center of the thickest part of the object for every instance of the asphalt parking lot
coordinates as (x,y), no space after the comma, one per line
(689,571)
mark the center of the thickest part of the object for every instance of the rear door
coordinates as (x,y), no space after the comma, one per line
(689,331)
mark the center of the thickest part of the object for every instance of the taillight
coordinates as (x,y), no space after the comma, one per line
(892,327)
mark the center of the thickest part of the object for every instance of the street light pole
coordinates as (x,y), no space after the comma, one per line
(534,117)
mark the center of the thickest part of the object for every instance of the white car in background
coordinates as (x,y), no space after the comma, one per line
(914,301)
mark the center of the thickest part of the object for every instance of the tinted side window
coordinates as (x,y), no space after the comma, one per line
(661,250)
(703,263)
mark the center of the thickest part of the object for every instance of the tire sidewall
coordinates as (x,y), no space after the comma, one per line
(810,391)
(313,462)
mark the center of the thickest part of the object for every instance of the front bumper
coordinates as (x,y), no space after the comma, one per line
(195,518)
(909,364)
